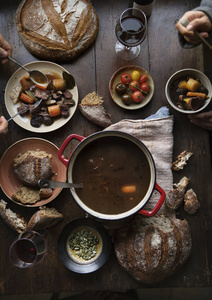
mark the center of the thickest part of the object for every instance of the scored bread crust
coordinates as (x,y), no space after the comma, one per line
(151,249)
(57,30)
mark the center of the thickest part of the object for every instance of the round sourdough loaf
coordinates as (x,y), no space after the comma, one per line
(151,249)
(57,30)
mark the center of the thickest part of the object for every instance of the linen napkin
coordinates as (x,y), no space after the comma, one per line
(156,132)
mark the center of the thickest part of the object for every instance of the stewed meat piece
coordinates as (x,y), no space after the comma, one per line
(42,94)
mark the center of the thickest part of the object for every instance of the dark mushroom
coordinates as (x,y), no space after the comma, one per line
(36,121)
(47,120)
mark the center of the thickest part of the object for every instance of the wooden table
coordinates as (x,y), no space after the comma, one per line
(161,56)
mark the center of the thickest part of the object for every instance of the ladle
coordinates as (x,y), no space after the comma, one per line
(57,184)
(36,76)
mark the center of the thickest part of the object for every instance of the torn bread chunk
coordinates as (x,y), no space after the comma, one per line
(191,203)
(11,218)
(44,218)
(174,197)
(181,160)
(92,108)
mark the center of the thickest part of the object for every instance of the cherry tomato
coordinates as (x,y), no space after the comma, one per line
(121,88)
(126,78)
(137,96)
(133,86)
(145,87)
(135,75)
(126,99)
(142,79)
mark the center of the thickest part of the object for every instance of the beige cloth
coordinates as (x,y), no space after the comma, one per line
(157,135)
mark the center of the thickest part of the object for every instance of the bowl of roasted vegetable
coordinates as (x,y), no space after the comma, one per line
(188,91)
(59,98)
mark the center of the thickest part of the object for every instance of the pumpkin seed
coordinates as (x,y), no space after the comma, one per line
(85,243)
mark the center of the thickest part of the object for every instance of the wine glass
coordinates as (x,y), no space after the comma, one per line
(131,30)
(29,248)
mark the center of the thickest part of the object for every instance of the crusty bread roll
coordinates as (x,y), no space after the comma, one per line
(11,218)
(44,218)
(151,249)
(56,30)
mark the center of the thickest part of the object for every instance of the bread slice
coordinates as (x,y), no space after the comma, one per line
(11,218)
(26,195)
(44,218)
(32,166)
(181,160)
(93,109)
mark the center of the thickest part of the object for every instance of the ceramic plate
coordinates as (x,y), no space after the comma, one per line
(63,240)
(24,122)
(115,79)
(10,183)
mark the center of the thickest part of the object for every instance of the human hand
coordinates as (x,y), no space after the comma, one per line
(203,119)
(5,49)
(3,125)
(198,21)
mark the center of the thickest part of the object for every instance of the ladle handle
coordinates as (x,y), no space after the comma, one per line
(11,59)
(157,206)
(44,184)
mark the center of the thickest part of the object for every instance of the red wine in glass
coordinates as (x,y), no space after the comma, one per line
(26,251)
(29,248)
(130,32)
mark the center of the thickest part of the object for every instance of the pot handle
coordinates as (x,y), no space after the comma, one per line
(65,144)
(157,206)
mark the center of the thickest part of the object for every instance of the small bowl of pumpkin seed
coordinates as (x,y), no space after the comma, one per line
(84,245)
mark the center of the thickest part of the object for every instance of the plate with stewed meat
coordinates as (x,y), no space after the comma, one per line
(59,98)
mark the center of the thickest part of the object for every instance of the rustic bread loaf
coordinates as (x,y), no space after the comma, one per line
(32,166)
(151,249)
(92,108)
(56,30)
(11,218)
(44,218)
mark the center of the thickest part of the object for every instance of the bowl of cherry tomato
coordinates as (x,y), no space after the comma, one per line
(131,87)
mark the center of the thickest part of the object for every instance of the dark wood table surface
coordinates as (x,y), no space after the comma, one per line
(161,56)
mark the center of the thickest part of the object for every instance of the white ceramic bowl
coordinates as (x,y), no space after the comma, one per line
(196,74)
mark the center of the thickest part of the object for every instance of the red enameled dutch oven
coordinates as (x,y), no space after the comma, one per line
(84,142)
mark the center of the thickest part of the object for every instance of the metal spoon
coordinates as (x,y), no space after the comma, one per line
(24,109)
(56,184)
(36,76)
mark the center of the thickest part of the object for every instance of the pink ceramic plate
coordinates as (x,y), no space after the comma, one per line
(10,183)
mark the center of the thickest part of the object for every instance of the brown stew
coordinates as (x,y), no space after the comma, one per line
(107,168)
